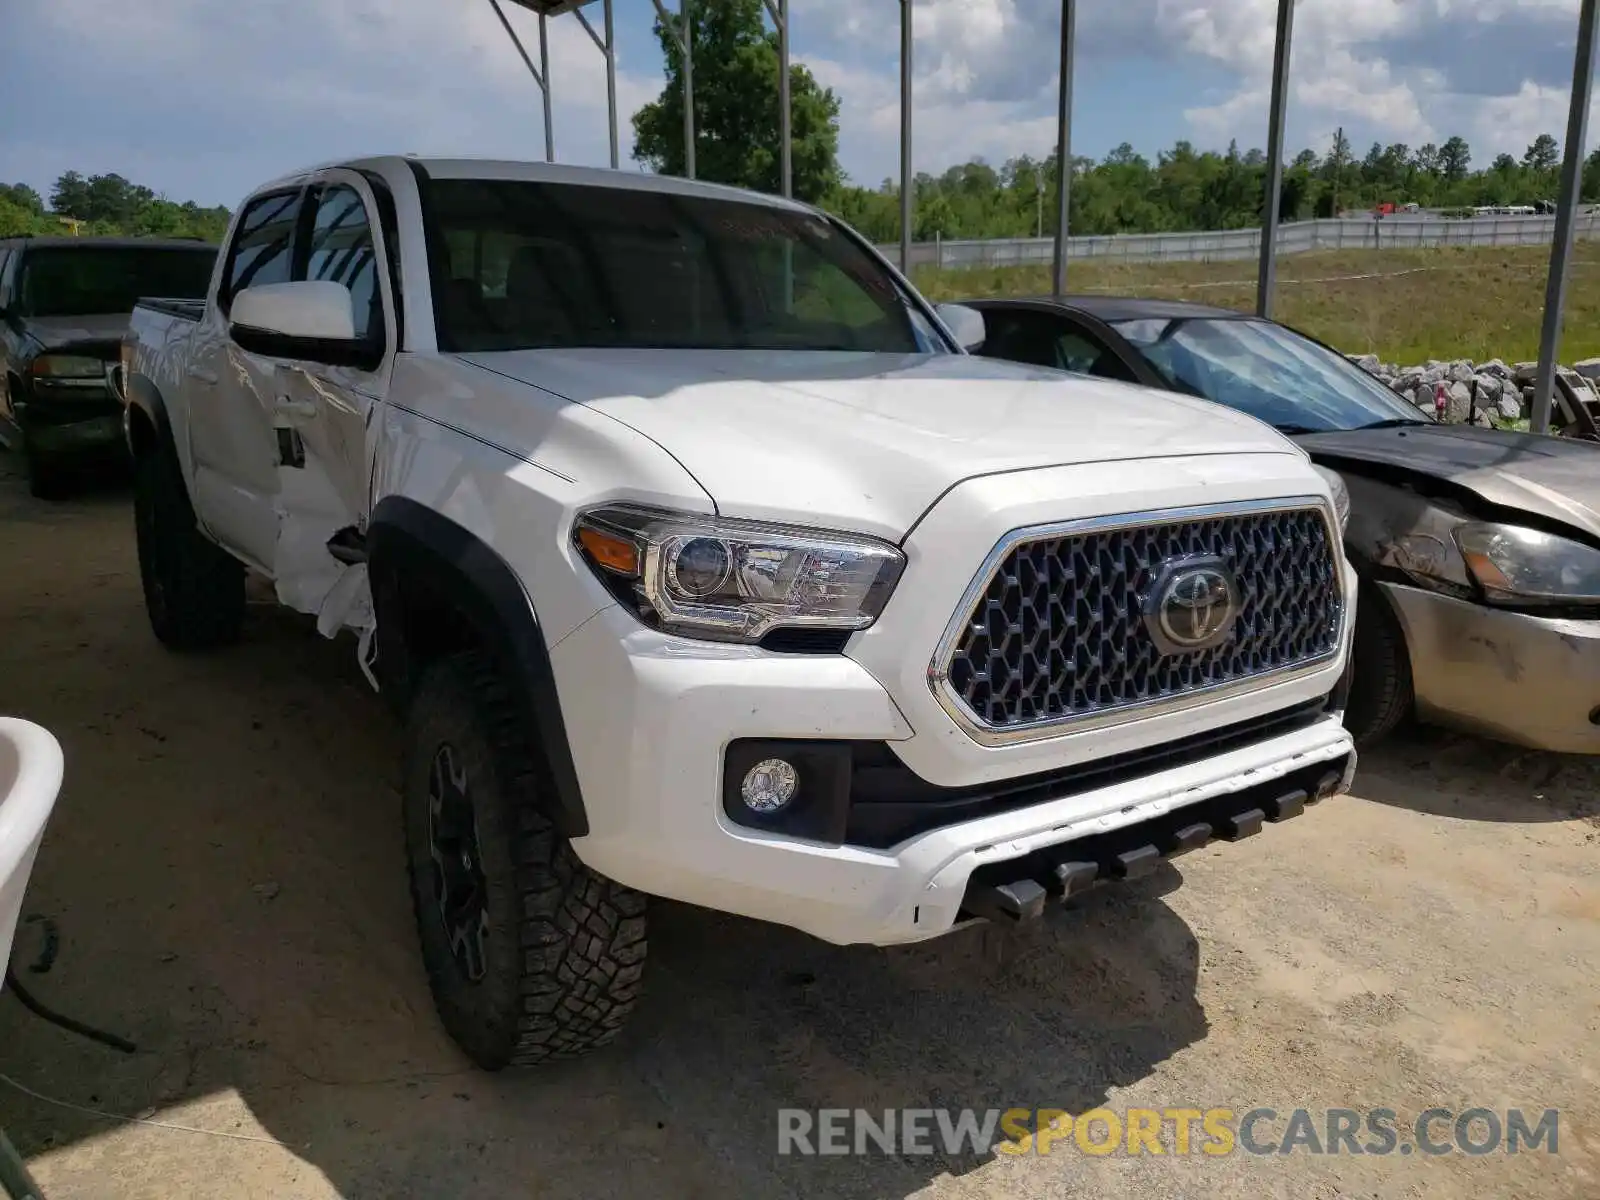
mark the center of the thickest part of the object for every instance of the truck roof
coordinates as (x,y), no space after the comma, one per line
(544,172)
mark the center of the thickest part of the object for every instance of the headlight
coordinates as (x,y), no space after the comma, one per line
(1341,495)
(725,580)
(1524,565)
(67,366)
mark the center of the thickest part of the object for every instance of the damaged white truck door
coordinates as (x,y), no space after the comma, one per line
(324,408)
(308,356)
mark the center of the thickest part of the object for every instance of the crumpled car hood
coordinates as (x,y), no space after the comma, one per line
(1556,478)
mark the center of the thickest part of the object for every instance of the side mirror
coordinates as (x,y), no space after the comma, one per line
(965,325)
(308,319)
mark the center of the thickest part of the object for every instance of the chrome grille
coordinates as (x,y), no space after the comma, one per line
(1055,634)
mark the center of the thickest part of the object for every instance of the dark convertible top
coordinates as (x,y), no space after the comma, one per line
(1115,308)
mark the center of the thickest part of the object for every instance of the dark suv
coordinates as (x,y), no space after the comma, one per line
(64,305)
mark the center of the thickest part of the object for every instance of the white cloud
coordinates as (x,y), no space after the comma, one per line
(280,85)
(205,97)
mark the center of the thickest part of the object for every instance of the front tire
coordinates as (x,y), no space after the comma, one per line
(530,955)
(1381,693)
(193,590)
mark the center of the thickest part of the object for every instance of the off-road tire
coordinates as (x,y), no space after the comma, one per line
(563,957)
(1380,683)
(193,590)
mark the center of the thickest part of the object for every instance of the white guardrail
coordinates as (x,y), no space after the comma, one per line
(1347,233)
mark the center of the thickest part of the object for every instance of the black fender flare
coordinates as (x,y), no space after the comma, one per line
(407,540)
(143,395)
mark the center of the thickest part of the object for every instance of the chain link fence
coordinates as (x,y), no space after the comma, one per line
(1402,232)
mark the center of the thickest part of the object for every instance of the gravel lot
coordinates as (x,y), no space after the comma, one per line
(224,873)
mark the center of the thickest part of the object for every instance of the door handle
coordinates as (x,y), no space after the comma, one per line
(202,375)
(305,410)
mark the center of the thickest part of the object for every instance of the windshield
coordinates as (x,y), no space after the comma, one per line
(76,281)
(1268,371)
(521,265)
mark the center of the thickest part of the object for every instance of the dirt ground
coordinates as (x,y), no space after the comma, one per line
(224,874)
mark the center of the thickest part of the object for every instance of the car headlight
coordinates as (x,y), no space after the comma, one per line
(1341,495)
(729,580)
(67,366)
(1527,566)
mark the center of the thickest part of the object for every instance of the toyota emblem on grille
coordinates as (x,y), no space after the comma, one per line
(1192,605)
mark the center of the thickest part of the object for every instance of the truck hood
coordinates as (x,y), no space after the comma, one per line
(872,440)
(1556,478)
(92,333)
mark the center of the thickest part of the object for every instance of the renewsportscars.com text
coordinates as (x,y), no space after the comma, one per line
(1175,1131)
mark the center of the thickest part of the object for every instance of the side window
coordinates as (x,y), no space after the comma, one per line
(341,251)
(1078,349)
(262,245)
(1019,335)
(5,259)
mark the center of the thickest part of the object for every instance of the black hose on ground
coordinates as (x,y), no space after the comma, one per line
(45,1013)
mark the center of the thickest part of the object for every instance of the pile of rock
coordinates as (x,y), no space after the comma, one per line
(1490,394)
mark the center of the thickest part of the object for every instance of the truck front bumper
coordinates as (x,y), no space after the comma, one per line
(658,716)
(70,420)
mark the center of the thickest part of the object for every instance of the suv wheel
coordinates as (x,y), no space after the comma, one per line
(530,955)
(1380,672)
(193,590)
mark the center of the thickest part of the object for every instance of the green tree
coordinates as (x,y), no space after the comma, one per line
(1455,156)
(1372,165)
(70,196)
(736,107)
(1543,155)
(23,196)
(17,219)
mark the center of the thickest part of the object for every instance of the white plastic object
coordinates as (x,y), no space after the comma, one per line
(30,779)
(307,308)
(965,325)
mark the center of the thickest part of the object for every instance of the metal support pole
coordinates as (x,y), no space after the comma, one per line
(779,12)
(1064,145)
(611,82)
(905,137)
(1555,294)
(785,132)
(683,32)
(540,78)
(688,86)
(1267,277)
(607,48)
(544,70)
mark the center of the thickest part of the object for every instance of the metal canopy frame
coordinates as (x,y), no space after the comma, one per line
(681,27)
(1555,294)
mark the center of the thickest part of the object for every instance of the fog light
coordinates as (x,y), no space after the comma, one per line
(769,785)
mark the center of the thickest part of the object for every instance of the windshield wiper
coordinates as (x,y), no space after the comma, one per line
(1292,429)
(1392,422)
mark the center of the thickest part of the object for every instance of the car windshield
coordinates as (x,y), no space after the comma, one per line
(76,281)
(523,265)
(1267,371)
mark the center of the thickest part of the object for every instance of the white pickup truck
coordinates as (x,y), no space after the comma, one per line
(703,562)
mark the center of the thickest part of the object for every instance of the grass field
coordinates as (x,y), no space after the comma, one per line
(1405,306)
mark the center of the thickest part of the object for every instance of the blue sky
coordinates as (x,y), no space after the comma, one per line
(202,99)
